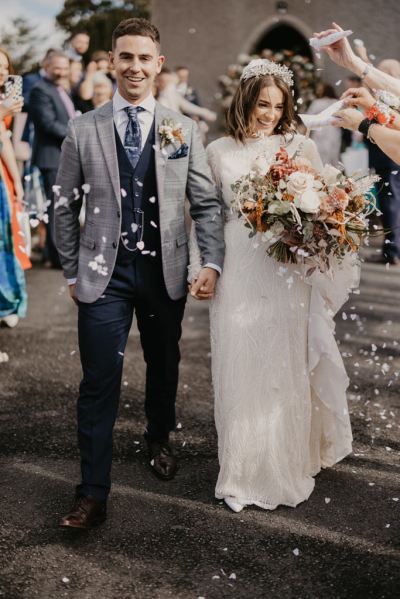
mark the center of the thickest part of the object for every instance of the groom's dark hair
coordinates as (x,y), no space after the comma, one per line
(136,26)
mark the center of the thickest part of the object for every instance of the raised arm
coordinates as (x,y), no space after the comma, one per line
(342,54)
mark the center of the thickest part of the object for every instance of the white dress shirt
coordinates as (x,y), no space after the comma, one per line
(145,117)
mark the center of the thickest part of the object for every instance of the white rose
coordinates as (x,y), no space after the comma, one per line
(330,174)
(308,201)
(298,183)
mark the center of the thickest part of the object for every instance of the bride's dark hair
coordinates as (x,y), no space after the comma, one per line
(244,101)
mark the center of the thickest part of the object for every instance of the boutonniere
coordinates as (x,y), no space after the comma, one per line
(170,132)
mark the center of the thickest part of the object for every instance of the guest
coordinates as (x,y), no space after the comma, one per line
(327,139)
(98,64)
(187,91)
(50,108)
(102,93)
(388,188)
(102,90)
(75,74)
(13,257)
(78,45)
(169,97)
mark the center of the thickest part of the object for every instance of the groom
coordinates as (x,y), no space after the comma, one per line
(135,161)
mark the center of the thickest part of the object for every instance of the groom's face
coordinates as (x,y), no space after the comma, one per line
(137,61)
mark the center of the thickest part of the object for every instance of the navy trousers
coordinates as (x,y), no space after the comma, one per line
(103,329)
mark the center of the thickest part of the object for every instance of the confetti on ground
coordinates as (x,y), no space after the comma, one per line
(296,552)
(3,357)
(65,579)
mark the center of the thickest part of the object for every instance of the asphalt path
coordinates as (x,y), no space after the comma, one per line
(174,540)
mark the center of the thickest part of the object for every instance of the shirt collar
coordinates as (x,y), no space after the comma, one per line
(119,103)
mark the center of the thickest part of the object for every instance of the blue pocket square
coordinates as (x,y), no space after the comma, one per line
(180,152)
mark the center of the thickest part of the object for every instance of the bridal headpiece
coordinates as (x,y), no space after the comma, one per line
(262,66)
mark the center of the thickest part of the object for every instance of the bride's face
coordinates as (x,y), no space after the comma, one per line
(268,111)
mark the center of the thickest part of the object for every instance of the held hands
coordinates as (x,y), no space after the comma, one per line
(203,287)
(72,293)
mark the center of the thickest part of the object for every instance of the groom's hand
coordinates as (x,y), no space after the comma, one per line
(71,289)
(203,287)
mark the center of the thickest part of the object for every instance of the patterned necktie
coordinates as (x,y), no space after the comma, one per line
(133,135)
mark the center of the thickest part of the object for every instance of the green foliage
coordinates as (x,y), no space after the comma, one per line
(22,43)
(99,18)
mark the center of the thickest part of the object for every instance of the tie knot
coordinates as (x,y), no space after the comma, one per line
(132,111)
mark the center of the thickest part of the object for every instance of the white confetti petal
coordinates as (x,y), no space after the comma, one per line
(140,245)
(296,551)
(86,187)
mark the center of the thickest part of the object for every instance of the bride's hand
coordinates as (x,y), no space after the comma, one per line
(203,287)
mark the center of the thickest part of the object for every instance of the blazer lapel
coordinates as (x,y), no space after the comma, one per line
(106,132)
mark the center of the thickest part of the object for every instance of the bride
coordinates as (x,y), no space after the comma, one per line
(278,378)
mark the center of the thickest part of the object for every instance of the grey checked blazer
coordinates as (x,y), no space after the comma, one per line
(89,156)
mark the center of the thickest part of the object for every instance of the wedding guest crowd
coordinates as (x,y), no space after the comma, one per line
(13,254)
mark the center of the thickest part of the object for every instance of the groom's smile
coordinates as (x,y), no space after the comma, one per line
(136,60)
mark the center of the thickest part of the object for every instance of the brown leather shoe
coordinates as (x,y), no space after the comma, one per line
(86,513)
(162,461)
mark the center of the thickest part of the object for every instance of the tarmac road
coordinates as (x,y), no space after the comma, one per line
(174,540)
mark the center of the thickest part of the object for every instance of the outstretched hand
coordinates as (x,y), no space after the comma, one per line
(340,52)
(349,118)
(358,97)
(203,287)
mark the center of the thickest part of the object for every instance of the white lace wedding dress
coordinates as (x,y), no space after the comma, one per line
(278,377)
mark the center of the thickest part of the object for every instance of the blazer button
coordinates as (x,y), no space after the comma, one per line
(118,214)
(114,244)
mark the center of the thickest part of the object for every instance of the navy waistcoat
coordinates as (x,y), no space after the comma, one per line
(139,204)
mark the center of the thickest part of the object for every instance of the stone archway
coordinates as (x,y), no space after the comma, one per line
(284,36)
(287,29)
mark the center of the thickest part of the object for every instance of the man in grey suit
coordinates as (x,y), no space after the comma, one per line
(135,161)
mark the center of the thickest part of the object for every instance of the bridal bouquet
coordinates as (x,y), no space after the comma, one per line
(304,215)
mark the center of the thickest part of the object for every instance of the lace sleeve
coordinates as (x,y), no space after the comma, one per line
(195,263)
